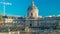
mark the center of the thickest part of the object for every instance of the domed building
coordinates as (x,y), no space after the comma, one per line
(32,11)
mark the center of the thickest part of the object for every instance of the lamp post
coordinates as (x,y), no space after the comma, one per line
(5,3)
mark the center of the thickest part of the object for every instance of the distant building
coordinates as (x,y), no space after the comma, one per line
(32,22)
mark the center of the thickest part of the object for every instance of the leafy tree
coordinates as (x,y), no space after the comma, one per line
(58,25)
(0,17)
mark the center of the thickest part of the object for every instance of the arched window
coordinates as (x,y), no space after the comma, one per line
(31,14)
(30,24)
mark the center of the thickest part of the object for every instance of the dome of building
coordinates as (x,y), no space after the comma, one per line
(32,10)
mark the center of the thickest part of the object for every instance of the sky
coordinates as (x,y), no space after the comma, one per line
(19,7)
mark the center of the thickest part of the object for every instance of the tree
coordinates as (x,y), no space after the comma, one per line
(58,25)
(0,17)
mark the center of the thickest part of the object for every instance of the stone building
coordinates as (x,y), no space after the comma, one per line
(32,22)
